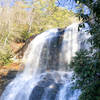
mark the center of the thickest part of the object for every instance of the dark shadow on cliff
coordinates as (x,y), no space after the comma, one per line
(5,80)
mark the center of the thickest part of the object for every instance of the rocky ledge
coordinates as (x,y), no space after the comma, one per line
(7,74)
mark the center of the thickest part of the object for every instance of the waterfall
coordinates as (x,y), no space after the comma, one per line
(46,75)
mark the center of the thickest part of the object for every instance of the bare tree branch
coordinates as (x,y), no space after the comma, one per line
(58,2)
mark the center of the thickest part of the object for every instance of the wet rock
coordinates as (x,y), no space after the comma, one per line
(51,91)
(37,93)
(20,52)
(5,80)
(45,83)
(45,88)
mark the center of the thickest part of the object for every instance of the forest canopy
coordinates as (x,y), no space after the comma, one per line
(22,19)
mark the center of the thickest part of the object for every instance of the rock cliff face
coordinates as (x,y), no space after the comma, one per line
(7,74)
(6,79)
(20,52)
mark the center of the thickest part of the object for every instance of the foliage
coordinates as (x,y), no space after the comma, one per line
(86,75)
(93,19)
(92,92)
(5,56)
(86,64)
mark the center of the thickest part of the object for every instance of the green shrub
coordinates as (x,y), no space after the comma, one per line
(86,69)
(5,57)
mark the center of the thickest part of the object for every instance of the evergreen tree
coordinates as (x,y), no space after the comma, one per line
(86,75)
(86,67)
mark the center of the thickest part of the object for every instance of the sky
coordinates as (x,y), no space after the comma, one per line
(71,5)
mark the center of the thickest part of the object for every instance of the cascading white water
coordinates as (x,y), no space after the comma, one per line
(47,57)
